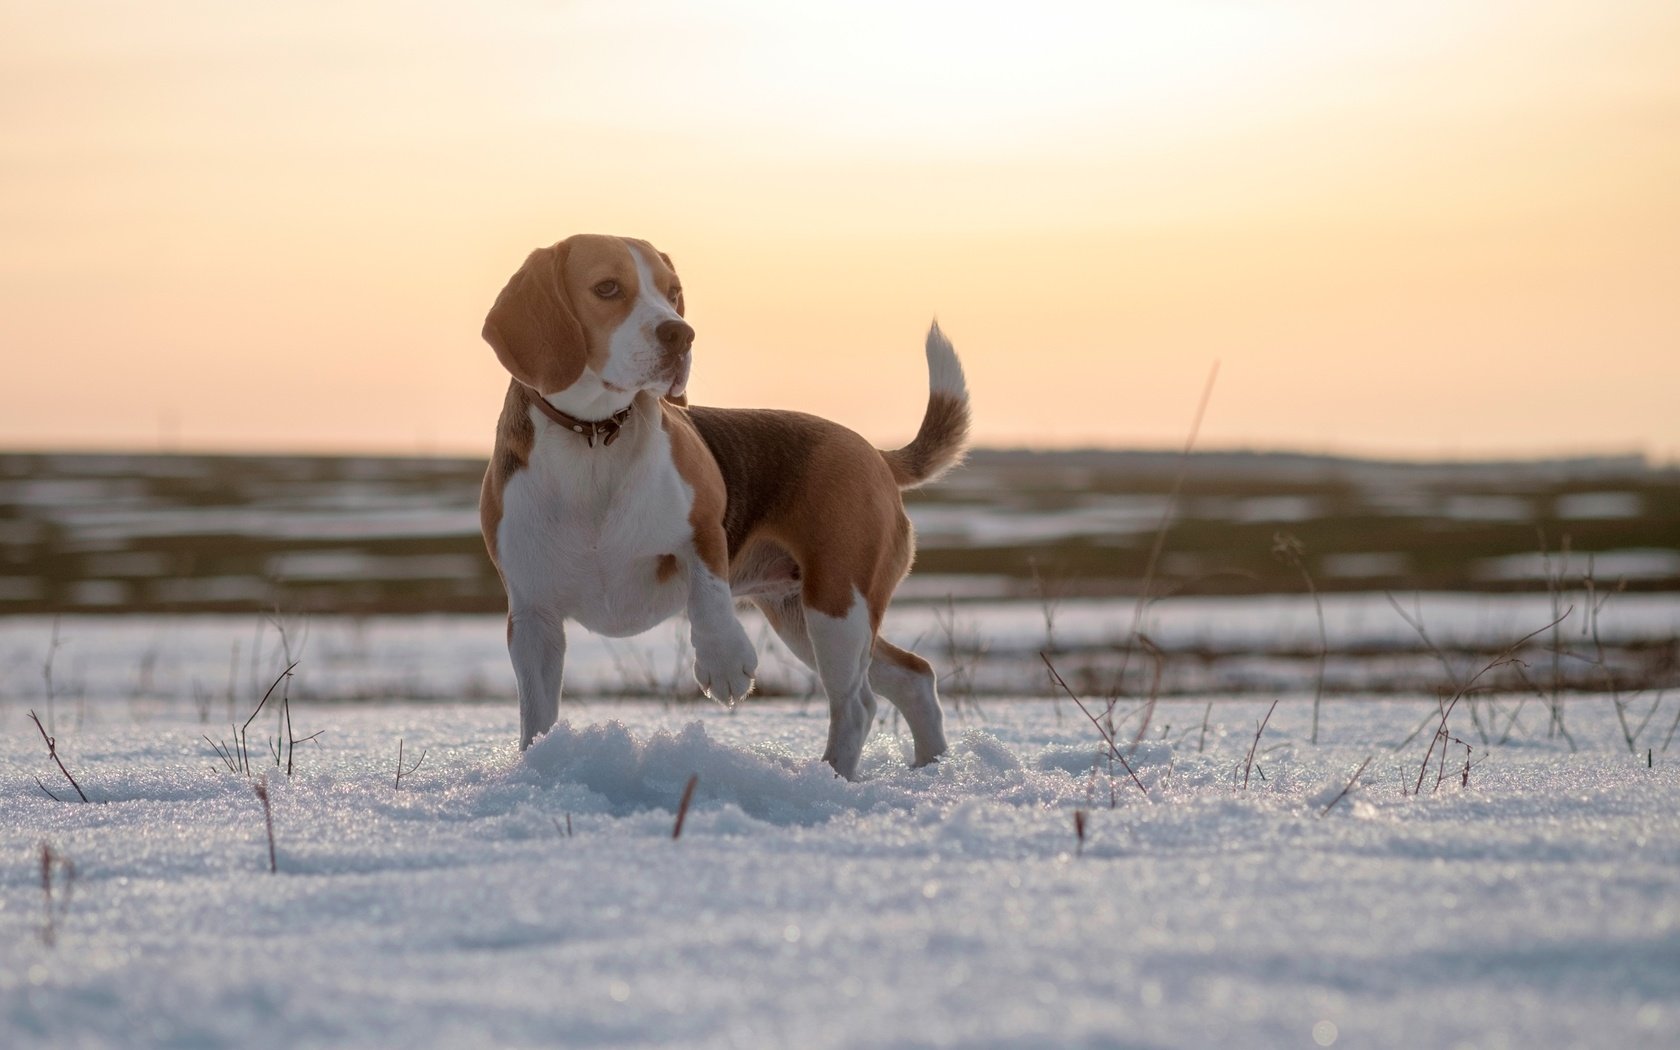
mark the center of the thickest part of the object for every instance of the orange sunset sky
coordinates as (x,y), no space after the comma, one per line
(1422,229)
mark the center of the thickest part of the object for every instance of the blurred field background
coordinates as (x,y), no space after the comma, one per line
(358,535)
(1271,572)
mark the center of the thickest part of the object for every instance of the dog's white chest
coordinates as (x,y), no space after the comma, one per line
(595,535)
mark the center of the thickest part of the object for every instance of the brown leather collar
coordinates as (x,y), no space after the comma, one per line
(606,429)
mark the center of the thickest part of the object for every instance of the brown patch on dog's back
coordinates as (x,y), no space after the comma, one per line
(761,454)
(818,490)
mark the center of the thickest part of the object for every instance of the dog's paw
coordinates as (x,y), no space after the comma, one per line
(724,664)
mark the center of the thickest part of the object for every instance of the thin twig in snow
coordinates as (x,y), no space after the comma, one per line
(682,807)
(1347,787)
(401,772)
(1259,730)
(1291,549)
(1108,738)
(1156,548)
(52,749)
(261,788)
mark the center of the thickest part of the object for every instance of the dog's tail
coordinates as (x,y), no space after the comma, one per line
(943,437)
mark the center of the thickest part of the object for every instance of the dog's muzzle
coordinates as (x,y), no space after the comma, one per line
(676,338)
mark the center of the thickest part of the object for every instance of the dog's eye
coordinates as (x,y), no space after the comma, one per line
(674,294)
(608,290)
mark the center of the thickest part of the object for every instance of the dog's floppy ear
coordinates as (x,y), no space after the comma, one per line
(533,328)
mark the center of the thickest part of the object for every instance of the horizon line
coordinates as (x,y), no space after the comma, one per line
(1644,458)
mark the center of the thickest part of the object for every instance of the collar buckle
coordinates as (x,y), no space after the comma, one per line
(606,429)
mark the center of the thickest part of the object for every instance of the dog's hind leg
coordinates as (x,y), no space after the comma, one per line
(906,679)
(841,647)
(537,646)
(901,676)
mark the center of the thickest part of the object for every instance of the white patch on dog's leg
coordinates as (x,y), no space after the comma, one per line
(724,658)
(902,677)
(910,684)
(537,647)
(842,648)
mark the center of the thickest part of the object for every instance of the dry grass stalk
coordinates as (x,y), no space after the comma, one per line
(291,741)
(1079,831)
(237,755)
(1415,621)
(962,652)
(1555,726)
(52,749)
(1291,549)
(1595,606)
(682,807)
(1554,591)
(47,672)
(1506,658)
(222,753)
(54,861)
(401,772)
(232,678)
(566,831)
(278,679)
(1160,659)
(1441,770)
(47,934)
(261,788)
(1047,608)
(1145,589)
(285,740)
(1346,787)
(244,748)
(1639,730)
(1259,730)
(1441,738)
(1107,736)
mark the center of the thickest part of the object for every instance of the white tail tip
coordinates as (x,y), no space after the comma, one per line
(945,373)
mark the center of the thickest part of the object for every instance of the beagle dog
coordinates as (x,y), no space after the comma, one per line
(610,502)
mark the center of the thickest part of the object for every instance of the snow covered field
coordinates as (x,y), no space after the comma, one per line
(1225,644)
(1539,906)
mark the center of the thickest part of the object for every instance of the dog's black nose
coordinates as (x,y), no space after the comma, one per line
(675,336)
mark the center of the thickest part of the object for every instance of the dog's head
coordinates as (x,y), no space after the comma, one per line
(604,311)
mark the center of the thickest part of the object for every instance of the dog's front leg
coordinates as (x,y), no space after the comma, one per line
(724,658)
(537,646)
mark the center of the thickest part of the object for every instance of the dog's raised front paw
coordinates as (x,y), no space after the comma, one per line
(724,666)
